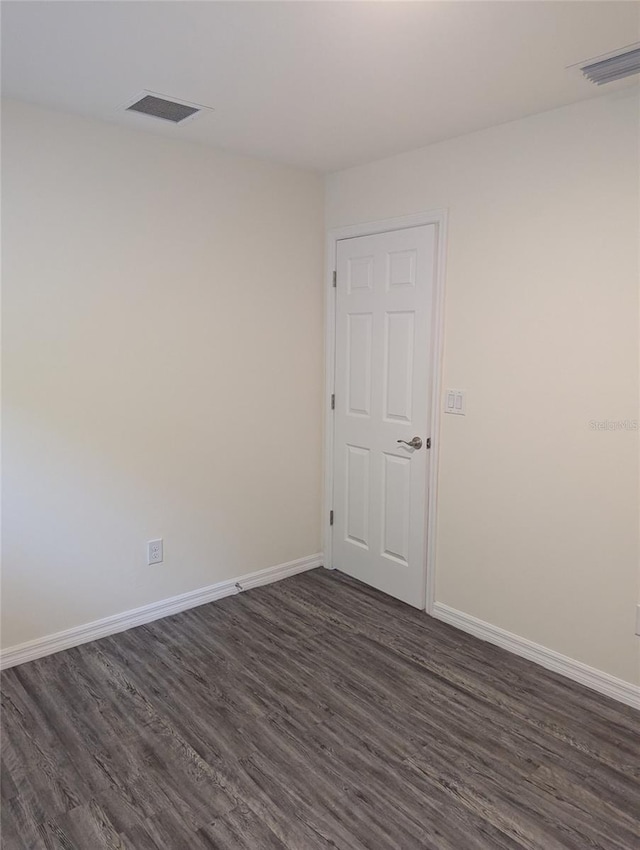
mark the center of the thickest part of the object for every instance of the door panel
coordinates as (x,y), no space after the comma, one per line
(398,366)
(383,371)
(360,273)
(357,496)
(359,333)
(396,493)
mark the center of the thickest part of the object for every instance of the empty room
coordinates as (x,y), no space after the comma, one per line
(320,425)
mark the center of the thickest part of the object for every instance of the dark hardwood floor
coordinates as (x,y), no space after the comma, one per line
(308,714)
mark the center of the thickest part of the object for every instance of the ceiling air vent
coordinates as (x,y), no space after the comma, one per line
(613,66)
(165,108)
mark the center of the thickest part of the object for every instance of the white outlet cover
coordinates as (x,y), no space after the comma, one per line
(155,551)
(455,402)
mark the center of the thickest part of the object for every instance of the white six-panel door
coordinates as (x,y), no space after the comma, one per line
(384,303)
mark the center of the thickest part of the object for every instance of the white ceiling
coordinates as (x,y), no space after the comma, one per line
(321,85)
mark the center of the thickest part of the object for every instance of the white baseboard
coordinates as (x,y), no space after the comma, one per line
(599,681)
(49,644)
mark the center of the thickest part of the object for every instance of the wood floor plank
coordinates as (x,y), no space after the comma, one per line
(311,713)
(240,828)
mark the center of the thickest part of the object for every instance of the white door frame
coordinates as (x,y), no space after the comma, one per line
(439,218)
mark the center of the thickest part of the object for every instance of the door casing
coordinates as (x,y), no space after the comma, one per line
(439,219)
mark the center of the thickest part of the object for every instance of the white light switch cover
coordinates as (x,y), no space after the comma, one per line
(455,402)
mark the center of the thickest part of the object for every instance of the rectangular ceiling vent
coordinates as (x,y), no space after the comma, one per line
(614,66)
(166,109)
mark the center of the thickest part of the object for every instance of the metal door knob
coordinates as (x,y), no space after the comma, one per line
(416,443)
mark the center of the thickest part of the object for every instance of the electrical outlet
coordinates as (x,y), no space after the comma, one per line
(154,552)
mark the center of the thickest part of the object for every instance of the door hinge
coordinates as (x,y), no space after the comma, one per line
(335,278)
(330,517)
(428,442)
(333,401)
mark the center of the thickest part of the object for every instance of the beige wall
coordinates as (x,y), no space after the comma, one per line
(162,367)
(538,513)
(163,354)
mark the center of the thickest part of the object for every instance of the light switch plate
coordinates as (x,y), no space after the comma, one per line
(455,402)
